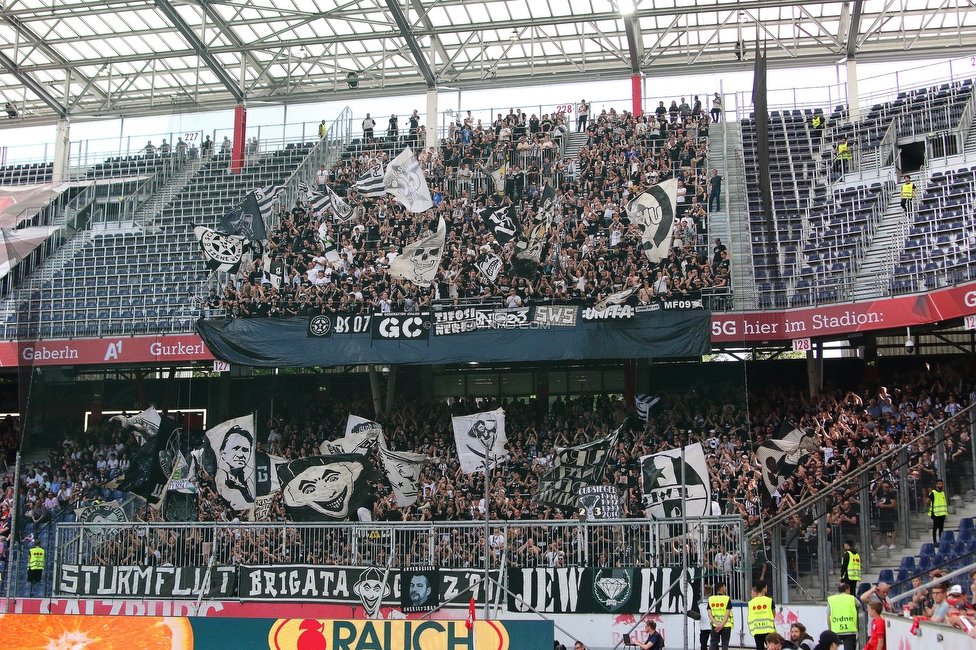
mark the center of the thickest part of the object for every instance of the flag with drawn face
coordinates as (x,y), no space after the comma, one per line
(490,265)
(326,488)
(420,260)
(480,440)
(232,445)
(403,472)
(653,210)
(404,180)
(357,443)
(670,481)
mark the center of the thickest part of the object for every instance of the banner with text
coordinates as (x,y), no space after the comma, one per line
(80,580)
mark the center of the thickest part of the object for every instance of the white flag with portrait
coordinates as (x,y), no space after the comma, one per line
(404,180)
(653,210)
(419,261)
(232,443)
(480,440)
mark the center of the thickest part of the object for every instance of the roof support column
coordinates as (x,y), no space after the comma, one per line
(62,144)
(431,140)
(636,94)
(240,130)
(854,110)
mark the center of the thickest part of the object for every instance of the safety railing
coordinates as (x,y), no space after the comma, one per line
(692,543)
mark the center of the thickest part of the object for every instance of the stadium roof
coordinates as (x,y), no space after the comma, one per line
(94,58)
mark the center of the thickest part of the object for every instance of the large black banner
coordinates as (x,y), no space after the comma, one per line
(579,590)
(84,581)
(359,585)
(267,342)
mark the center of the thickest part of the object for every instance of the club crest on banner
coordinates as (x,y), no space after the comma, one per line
(613,588)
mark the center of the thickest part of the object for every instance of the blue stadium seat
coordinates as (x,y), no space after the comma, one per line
(947,536)
(886,575)
(908,563)
(928,549)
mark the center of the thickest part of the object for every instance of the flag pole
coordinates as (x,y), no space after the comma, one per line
(487,527)
(684,540)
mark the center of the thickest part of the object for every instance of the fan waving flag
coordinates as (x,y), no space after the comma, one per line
(573,468)
(480,440)
(357,443)
(152,464)
(221,252)
(341,209)
(326,488)
(528,249)
(404,180)
(779,457)
(246,220)
(654,211)
(419,261)
(671,481)
(644,402)
(372,183)
(502,222)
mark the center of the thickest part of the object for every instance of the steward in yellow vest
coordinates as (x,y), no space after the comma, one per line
(850,566)
(938,509)
(762,616)
(35,565)
(720,616)
(842,615)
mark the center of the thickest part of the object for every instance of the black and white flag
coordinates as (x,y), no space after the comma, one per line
(480,440)
(653,210)
(232,444)
(152,464)
(221,252)
(528,249)
(490,266)
(319,201)
(341,209)
(573,468)
(357,443)
(497,175)
(266,198)
(419,261)
(779,457)
(403,472)
(143,425)
(618,298)
(247,219)
(326,488)
(404,180)
(644,402)
(502,222)
(356,425)
(667,486)
(371,184)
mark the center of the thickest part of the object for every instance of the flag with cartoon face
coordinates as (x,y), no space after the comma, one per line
(666,486)
(326,488)
(419,261)
(480,440)
(403,472)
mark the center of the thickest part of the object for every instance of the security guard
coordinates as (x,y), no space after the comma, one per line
(907,193)
(842,615)
(850,566)
(762,617)
(844,155)
(720,615)
(818,122)
(35,565)
(938,509)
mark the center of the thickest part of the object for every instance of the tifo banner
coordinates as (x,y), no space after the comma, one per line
(357,585)
(579,590)
(902,311)
(180,633)
(290,342)
(79,580)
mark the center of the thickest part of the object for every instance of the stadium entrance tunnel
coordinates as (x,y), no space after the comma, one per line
(911,156)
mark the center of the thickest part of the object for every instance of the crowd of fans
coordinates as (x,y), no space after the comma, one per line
(592,249)
(852,427)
